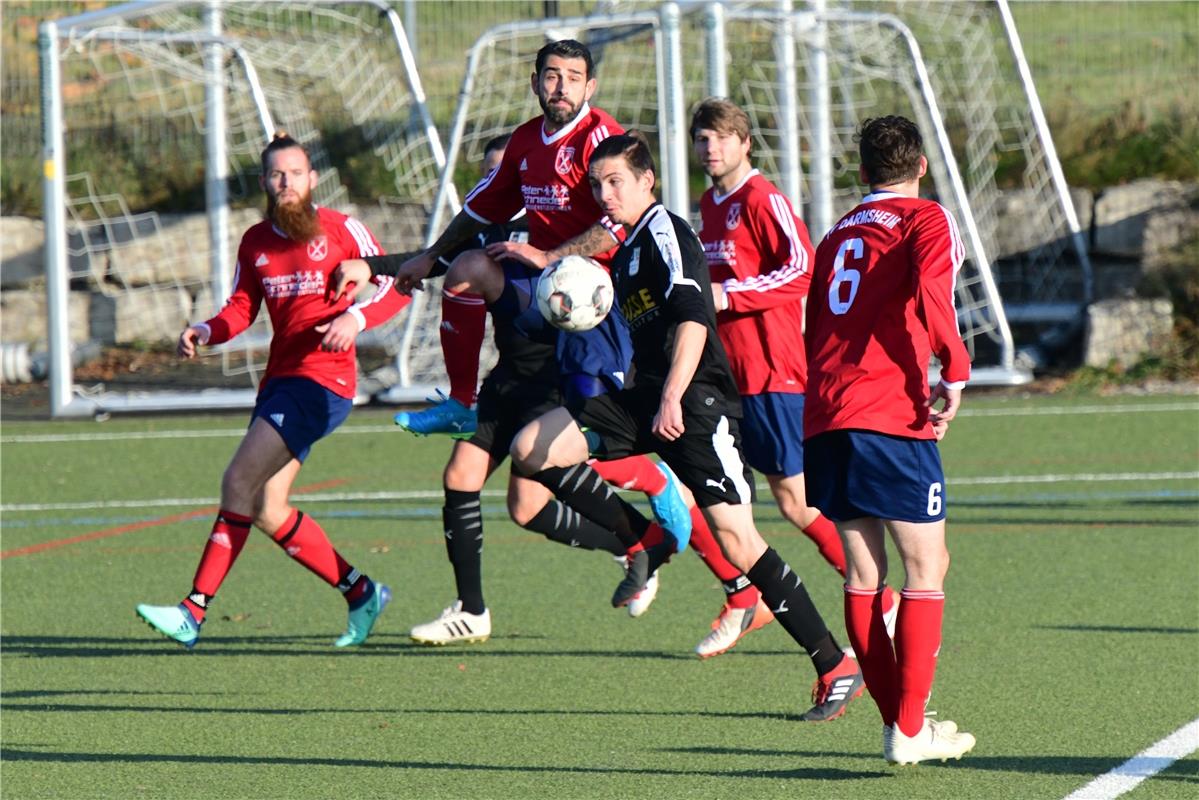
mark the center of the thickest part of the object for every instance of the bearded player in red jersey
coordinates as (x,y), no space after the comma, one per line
(542,172)
(760,256)
(881,303)
(306,393)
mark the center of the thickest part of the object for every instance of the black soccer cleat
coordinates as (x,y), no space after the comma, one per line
(635,577)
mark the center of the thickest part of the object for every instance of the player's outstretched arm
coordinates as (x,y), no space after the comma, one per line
(591,242)
(520,251)
(347,277)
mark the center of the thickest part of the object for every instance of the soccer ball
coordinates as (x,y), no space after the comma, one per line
(574,294)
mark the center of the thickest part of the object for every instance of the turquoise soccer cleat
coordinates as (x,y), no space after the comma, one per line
(173,622)
(363,618)
(446,416)
(671,511)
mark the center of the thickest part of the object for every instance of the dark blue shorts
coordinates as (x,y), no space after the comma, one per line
(852,474)
(772,432)
(605,351)
(302,411)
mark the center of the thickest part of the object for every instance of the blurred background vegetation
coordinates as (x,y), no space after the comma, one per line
(1118,81)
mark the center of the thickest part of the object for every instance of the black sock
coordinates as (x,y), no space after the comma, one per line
(463,518)
(564,525)
(582,488)
(787,597)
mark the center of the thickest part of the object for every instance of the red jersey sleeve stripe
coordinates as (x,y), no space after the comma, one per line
(384,286)
(366,242)
(793,269)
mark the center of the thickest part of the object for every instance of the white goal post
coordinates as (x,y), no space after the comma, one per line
(806,73)
(212,79)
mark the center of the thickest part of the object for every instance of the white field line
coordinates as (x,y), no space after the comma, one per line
(1144,764)
(109,436)
(346,497)
(1077,477)
(1051,411)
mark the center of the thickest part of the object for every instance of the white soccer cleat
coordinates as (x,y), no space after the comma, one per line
(645,598)
(454,626)
(935,740)
(731,626)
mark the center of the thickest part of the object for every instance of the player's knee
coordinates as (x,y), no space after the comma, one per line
(473,270)
(522,511)
(269,518)
(527,455)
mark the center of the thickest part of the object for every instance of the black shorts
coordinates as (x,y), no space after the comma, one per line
(707,458)
(506,404)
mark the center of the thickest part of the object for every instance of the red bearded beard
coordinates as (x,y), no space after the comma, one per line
(298,220)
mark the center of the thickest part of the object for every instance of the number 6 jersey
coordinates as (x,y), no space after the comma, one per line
(880,304)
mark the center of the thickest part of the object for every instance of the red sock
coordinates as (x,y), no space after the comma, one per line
(917,643)
(463,320)
(868,635)
(229,534)
(823,532)
(653,536)
(704,543)
(305,541)
(635,472)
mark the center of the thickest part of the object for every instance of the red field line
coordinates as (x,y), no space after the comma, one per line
(137,526)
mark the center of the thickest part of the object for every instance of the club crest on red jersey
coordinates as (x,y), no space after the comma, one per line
(318,248)
(565,160)
(733,219)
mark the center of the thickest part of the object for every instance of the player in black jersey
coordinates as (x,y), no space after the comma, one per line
(522,386)
(684,405)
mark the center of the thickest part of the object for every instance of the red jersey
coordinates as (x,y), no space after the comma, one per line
(291,277)
(759,251)
(881,305)
(547,176)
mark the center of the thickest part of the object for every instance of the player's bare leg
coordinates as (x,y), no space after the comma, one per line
(552,450)
(838,678)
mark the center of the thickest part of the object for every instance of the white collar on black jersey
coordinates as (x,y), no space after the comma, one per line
(875,196)
(570,126)
(649,214)
(718,198)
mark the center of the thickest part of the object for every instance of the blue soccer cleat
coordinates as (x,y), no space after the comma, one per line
(363,618)
(671,511)
(446,415)
(173,622)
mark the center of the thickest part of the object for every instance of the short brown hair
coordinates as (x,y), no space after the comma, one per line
(282,141)
(890,148)
(632,146)
(720,115)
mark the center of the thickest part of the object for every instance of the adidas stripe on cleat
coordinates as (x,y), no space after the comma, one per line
(833,691)
(454,626)
(173,622)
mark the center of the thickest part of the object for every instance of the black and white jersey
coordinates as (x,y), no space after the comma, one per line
(661,279)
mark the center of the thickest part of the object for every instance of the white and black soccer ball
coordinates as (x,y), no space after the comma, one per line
(574,294)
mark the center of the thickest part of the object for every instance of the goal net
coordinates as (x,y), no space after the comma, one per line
(127,89)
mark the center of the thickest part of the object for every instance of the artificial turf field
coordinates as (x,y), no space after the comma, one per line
(1071,639)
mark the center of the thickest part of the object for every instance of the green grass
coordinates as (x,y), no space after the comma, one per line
(1070,638)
